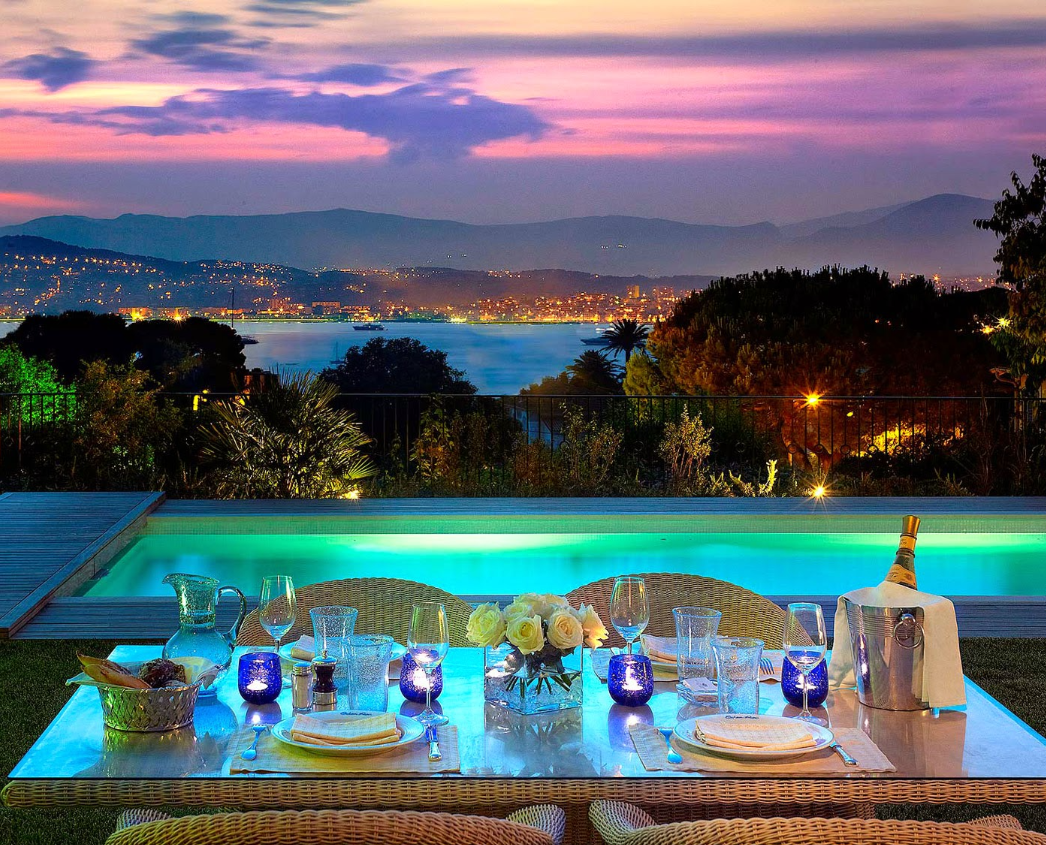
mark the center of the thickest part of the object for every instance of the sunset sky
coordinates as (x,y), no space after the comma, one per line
(510,110)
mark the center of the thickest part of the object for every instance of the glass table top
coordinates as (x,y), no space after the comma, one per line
(982,741)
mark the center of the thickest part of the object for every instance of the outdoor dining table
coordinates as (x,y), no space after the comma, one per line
(980,754)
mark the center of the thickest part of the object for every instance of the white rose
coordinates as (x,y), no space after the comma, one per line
(524,632)
(565,631)
(486,626)
(522,606)
(596,632)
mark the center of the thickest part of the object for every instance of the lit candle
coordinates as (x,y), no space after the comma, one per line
(630,679)
(259,678)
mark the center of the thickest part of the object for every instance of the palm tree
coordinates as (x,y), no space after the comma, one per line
(286,442)
(593,370)
(626,336)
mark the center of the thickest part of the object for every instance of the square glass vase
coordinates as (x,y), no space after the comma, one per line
(533,683)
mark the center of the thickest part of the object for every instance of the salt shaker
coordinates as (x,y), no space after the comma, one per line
(301,687)
(324,693)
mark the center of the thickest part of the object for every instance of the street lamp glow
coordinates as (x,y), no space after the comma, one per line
(818,492)
(812,399)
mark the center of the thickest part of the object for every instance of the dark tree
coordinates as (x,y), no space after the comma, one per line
(189,355)
(591,374)
(1020,222)
(626,336)
(846,332)
(73,338)
(400,365)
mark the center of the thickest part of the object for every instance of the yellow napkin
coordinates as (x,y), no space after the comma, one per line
(346,731)
(754,734)
(304,649)
(662,649)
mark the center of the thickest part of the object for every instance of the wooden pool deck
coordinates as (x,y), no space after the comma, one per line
(51,542)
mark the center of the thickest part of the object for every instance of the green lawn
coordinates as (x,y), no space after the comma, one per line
(1014,671)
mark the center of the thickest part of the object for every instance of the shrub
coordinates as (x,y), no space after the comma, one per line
(288,441)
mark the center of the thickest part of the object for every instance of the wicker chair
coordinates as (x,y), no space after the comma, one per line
(626,824)
(384,605)
(745,614)
(541,825)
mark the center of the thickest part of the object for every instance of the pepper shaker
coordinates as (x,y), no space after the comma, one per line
(301,687)
(324,693)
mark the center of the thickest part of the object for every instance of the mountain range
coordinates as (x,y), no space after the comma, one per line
(45,275)
(928,236)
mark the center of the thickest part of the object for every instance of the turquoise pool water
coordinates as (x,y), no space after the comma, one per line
(501,564)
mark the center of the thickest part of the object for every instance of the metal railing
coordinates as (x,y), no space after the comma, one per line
(814,434)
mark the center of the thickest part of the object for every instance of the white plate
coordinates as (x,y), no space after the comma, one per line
(822,736)
(285,652)
(411,729)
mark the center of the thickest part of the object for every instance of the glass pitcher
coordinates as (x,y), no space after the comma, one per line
(197,641)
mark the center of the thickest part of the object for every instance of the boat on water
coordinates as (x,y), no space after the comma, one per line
(248,340)
(599,340)
(368,327)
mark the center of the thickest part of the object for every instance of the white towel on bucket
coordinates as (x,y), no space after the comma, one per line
(940,682)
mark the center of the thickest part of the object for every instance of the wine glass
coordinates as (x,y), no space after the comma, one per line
(629,609)
(805,643)
(428,640)
(277,606)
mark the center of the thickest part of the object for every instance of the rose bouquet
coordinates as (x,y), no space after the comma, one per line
(532,640)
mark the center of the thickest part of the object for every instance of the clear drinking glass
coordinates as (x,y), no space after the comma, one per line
(695,661)
(805,643)
(629,609)
(737,673)
(277,606)
(428,641)
(332,625)
(369,657)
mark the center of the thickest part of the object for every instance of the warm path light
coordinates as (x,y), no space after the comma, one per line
(818,492)
(812,399)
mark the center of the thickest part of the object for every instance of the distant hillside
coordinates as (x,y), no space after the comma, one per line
(44,274)
(934,235)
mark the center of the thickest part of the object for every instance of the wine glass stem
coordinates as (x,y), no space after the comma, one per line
(276,648)
(806,695)
(428,690)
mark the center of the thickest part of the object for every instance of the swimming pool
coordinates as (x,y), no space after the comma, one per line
(540,554)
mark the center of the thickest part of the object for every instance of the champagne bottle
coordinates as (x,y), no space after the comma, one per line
(903,569)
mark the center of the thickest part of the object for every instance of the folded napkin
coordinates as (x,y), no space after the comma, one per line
(346,731)
(939,680)
(653,754)
(275,757)
(304,649)
(754,734)
(663,649)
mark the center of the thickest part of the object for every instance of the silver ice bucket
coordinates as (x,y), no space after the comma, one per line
(887,644)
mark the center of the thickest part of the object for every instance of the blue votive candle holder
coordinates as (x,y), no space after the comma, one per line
(792,684)
(630,679)
(413,680)
(260,678)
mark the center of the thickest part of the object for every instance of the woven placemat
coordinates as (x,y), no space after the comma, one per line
(653,753)
(275,757)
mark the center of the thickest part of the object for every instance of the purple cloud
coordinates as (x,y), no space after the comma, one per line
(418,120)
(752,47)
(298,13)
(365,75)
(201,41)
(57,70)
